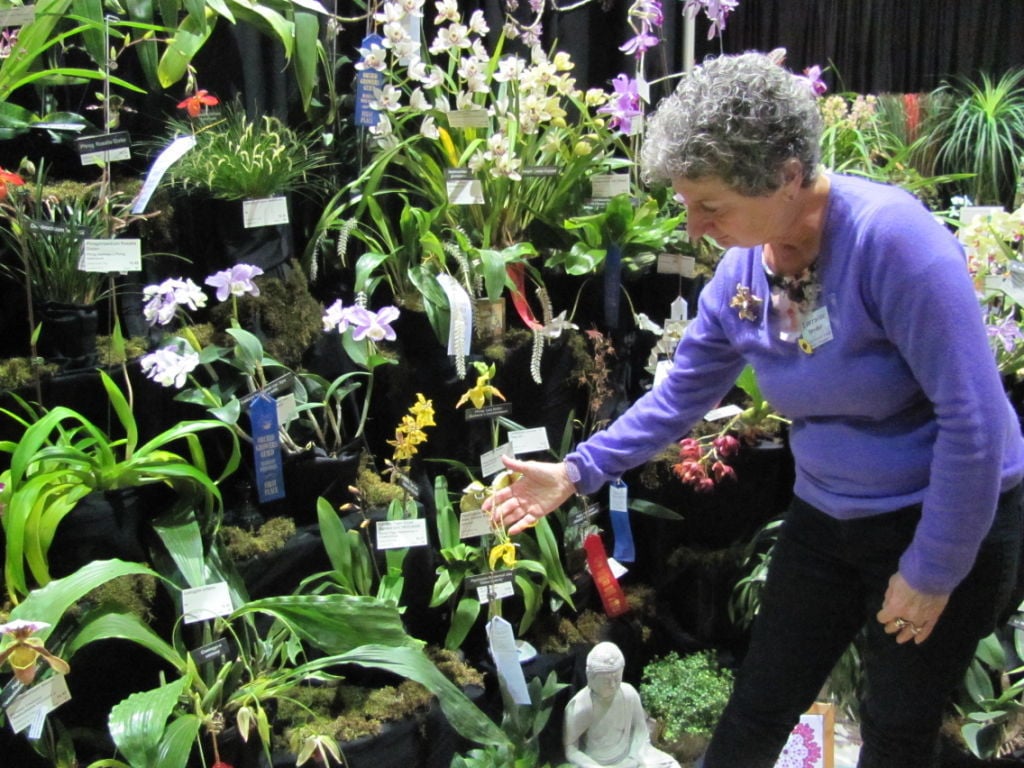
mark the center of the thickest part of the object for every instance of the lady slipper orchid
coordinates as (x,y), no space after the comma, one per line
(24,653)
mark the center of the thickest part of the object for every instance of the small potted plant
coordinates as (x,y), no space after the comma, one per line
(686,696)
(244,172)
(45,224)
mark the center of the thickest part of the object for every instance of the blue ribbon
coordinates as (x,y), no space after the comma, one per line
(266,448)
(624,550)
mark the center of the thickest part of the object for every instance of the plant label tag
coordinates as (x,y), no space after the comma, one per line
(679,310)
(725,412)
(643,88)
(396,534)
(215,651)
(492,411)
(609,184)
(817,329)
(501,641)
(474,523)
(204,603)
(168,156)
(676,264)
(661,370)
(286,409)
(490,462)
(18,16)
(529,440)
(123,255)
(106,148)
(10,692)
(467,118)
(618,569)
(264,212)
(31,707)
(540,171)
(494,585)
(465,191)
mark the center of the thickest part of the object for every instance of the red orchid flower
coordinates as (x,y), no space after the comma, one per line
(194,104)
(9,178)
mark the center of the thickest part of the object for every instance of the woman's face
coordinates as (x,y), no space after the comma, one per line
(729,218)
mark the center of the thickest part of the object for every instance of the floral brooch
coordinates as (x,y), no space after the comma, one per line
(747,305)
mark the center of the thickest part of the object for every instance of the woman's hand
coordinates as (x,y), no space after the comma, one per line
(539,488)
(909,614)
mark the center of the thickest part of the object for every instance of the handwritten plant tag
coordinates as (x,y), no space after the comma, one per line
(609,184)
(491,463)
(205,603)
(264,212)
(529,440)
(474,523)
(502,642)
(396,534)
(30,708)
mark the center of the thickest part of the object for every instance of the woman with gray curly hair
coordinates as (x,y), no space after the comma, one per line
(854,306)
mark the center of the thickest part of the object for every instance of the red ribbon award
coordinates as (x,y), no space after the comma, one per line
(608,587)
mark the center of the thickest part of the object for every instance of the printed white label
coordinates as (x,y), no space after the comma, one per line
(111,255)
(529,440)
(203,603)
(265,212)
(395,534)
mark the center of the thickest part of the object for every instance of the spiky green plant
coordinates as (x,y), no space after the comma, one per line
(980,130)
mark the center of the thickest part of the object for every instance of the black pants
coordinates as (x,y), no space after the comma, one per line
(826,582)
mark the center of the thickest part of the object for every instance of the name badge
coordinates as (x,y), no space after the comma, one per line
(817,329)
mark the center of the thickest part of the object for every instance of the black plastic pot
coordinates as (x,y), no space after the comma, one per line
(68,334)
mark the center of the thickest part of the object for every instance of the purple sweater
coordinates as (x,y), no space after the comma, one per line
(904,405)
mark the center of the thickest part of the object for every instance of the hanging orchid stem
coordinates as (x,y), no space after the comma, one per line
(365,412)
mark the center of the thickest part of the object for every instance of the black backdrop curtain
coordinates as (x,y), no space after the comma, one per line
(869,46)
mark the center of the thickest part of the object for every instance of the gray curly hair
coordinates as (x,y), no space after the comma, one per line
(738,118)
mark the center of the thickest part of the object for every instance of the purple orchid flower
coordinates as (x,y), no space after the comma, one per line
(375,326)
(813,75)
(715,10)
(163,301)
(169,366)
(337,317)
(1007,332)
(237,281)
(639,44)
(624,106)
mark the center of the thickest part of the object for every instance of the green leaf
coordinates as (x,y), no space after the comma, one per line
(188,39)
(335,623)
(178,740)
(137,724)
(307,43)
(463,619)
(123,626)
(468,719)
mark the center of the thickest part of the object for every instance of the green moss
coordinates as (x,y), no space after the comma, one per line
(346,712)
(271,536)
(374,490)
(128,594)
(18,372)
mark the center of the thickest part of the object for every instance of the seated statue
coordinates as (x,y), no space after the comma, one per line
(605,723)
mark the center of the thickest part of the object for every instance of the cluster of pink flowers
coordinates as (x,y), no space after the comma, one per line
(702,463)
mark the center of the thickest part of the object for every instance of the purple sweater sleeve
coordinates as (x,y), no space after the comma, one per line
(705,367)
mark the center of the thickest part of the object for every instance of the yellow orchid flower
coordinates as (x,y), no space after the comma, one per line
(480,394)
(504,552)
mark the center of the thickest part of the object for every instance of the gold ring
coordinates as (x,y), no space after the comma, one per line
(900,623)
(916,629)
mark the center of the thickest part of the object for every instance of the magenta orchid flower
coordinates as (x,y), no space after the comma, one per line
(813,75)
(237,281)
(641,43)
(624,106)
